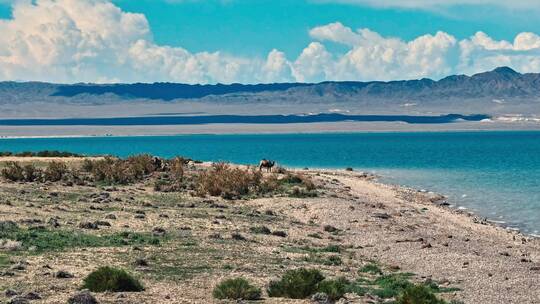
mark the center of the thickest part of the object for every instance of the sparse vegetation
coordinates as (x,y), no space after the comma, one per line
(114,197)
(14,172)
(334,289)
(236,289)
(418,294)
(41,239)
(55,171)
(371,268)
(227,182)
(111,279)
(296,284)
(260,230)
(120,171)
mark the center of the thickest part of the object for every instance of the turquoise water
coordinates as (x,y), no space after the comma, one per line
(496,174)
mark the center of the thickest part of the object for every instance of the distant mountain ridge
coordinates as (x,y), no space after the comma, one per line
(501,82)
(498,92)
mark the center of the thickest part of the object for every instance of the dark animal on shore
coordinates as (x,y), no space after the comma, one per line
(267,164)
(159,163)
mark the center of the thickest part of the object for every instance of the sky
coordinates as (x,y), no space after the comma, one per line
(262,41)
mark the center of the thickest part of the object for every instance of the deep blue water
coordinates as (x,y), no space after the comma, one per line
(160,120)
(496,174)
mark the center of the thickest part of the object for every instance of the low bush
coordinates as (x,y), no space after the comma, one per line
(296,284)
(418,294)
(334,289)
(236,289)
(302,193)
(176,166)
(13,172)
(333,260)
(55,171)
(111,279)
(31,173)
(371,268)
(229,183)
(391,285)
(111,170)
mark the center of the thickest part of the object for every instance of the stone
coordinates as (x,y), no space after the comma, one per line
(83,297)
(103,223)
(18,300)
(158,231)
(53,222)
(88,225)
(383,216)
(329,228)
(141,262)
(33,296)
(62,274)
(320,298)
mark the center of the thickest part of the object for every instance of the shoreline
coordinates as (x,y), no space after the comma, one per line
(374,177)
(9,132)
(465,224)
(465,211)
(399,228)
(436,198)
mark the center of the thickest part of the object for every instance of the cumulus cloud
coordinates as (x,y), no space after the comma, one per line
(429,4)
(95,41)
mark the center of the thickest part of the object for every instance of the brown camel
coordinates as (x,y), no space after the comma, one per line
(267,164)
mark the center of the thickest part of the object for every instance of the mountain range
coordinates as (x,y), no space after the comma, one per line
(501,90)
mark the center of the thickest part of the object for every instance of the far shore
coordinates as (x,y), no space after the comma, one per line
(333,127)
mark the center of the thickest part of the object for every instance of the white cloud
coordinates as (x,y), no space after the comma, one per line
(95,41)
(430,4)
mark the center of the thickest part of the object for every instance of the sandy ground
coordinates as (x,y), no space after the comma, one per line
(398,228)
(70,131)
(491,264)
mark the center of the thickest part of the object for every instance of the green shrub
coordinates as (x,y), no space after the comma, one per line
(391,285)
(334,289)
(418,294)
(331,248)
(333,260)
(111,279)
(296,284)
(371,268)
(236,289)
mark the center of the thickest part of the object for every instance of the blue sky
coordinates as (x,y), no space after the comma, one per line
(257,26)
(209,41)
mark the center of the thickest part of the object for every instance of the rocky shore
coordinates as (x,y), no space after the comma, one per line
(181,245)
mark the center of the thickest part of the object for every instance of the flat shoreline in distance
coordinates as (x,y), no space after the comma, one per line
(222,129)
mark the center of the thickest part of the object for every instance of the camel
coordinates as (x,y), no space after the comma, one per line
(267,164)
